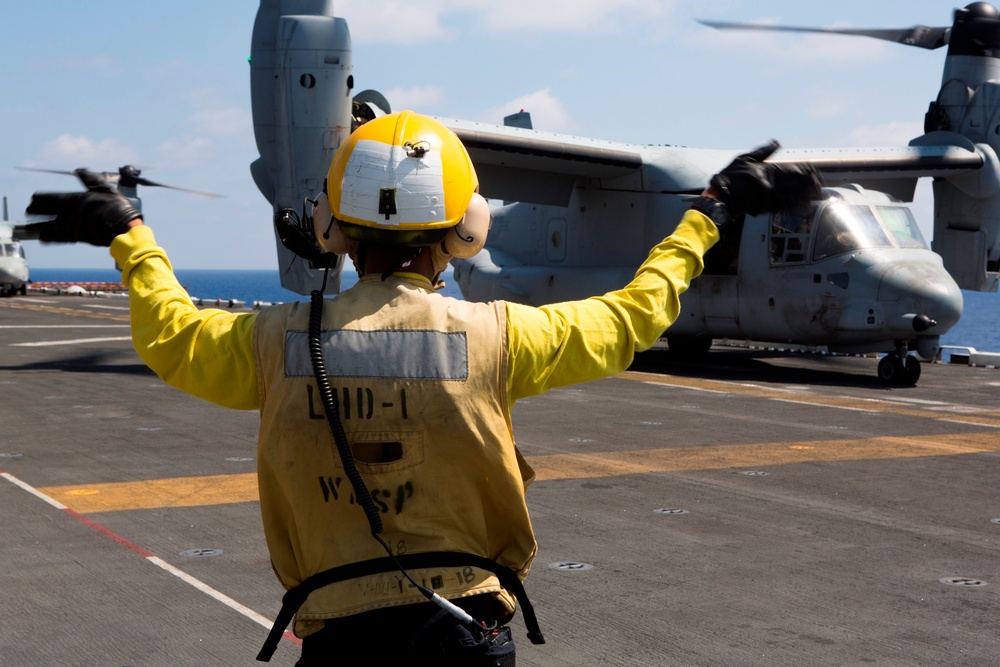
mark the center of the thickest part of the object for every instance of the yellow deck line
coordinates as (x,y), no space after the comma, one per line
(152,493)
(609,464)
(224,489)
(986,418)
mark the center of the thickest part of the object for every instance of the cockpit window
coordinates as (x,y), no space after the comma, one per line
(790,235)
(845,227)
(899,220)
(11,250)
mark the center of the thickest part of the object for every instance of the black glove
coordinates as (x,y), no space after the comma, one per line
(95,216)
(750,185)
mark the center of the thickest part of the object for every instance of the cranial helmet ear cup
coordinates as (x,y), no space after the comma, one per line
(469,236)
(327,231)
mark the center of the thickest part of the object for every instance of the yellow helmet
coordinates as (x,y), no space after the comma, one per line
(401,179)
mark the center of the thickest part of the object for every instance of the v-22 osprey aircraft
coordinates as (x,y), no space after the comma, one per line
(13,264)
(849,273)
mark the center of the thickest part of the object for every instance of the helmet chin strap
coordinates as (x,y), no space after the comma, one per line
(357,255)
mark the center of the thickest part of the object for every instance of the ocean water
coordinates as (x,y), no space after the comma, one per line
(247,286)
(980,324)
(979,327)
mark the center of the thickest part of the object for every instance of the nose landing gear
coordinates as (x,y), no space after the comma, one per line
(899,368)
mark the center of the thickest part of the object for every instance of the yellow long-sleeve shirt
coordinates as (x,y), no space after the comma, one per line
(209,352)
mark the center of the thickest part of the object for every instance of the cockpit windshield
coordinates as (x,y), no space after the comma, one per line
(835,227)
(845,227)
(8,250)
(901,224)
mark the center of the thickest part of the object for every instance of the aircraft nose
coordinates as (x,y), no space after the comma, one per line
(925,290)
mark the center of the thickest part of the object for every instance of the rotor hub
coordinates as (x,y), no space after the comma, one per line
(976,31)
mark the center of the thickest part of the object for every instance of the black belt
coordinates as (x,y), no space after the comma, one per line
(295,597)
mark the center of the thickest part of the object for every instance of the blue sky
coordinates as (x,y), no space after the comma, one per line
(165,86)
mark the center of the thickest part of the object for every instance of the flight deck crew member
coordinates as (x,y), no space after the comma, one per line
(422,385)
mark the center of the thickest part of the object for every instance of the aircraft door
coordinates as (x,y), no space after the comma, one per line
(775,253)
(720,305)
(717,289)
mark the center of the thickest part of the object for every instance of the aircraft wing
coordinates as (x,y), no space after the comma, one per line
(893,170)
(518,164)
(527,165)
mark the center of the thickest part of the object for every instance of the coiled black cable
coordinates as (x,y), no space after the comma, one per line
(332,410)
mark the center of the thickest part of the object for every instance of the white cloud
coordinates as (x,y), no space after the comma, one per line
(415,98)
(791,47)
(399,22)
(547,112)
(215,116)
(72,151)
(185,151)
(404,22)
(573,16)
(211,122)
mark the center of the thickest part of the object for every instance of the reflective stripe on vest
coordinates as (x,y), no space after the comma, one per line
(409,355)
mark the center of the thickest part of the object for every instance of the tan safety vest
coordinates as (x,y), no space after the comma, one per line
(421,383)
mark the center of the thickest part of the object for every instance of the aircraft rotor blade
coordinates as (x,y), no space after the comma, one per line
(146,181)
(111,176)
(45,171)
(920,36)
(127,176)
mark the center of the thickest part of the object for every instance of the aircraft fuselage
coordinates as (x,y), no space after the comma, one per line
(13,268)
(766,284)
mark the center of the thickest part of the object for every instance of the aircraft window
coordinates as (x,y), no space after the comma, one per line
(8,250)
(902,225)
(790,235)
(843,227)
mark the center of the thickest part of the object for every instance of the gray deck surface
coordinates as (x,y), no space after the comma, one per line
(742,510)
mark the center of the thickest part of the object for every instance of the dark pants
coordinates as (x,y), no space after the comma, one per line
(414,635)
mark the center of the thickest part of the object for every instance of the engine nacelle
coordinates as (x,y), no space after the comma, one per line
(966,113)
(300,86)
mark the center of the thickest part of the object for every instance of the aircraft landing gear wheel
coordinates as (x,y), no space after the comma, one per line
(689,345)
(911,370)
(891,369)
